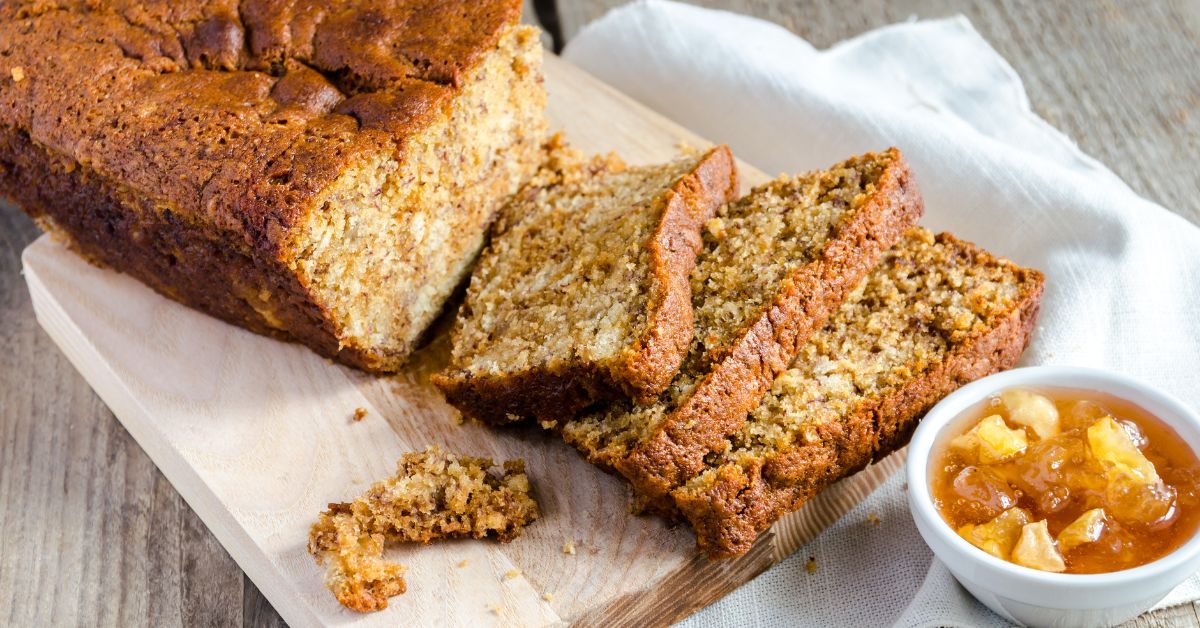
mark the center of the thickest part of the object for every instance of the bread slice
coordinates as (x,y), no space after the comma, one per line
(434,495)
(583,292)
(937,313)
(776,264)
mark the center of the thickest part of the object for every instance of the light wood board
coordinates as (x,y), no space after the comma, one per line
(257,436)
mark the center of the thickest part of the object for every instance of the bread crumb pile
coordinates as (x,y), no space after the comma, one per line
(433,495)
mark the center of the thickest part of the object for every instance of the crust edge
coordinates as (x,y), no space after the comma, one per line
(745,501)
(718,405)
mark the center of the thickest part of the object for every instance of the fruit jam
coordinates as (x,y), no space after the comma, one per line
(1066,480)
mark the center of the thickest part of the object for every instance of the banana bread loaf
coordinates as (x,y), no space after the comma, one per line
(321,171)
(777,263)
(937,313)
(583,292)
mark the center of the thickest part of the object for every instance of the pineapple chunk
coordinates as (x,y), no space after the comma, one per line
(1116,451)
(1081,415)
(991,441)
(1035,549)
(1031,410)
(1130,501)
(998,536)
(1085,529)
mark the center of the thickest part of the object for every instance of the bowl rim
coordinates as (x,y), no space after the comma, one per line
(949,408)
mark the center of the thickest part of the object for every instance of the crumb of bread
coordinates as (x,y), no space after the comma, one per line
(494,608)
(715,227)
(548,425)
(685,147)
(512,573)
(434,495)
(18,74)
(548,597)
(569,548)
(873,519)
(811,565)
(360,413)
(462,563)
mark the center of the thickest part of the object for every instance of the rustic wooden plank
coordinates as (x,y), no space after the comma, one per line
(1118,76)
(1174,617)
(96,533)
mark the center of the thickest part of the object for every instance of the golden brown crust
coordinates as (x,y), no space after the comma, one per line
(743,500)
(718,405)
(183,259)
(652,362)
(645,367)
(199,136)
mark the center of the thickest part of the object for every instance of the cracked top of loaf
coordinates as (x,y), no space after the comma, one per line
(235,114)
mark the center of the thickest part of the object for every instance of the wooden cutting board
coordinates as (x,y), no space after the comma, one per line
(257,436)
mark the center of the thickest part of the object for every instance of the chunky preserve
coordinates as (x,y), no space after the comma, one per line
(1066,480)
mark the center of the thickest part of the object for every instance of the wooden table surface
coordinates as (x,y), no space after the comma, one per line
(94,534)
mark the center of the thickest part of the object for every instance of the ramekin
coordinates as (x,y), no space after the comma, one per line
(1028,596)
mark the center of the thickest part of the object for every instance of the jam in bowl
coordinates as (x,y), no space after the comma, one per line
(1060,496)
(1066,480)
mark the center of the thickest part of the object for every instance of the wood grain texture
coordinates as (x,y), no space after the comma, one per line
(1119,77)
(79,498)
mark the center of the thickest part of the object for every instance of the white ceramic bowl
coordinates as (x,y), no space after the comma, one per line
(1028,596)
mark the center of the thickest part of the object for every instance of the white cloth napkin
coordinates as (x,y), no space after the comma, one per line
(1123,274)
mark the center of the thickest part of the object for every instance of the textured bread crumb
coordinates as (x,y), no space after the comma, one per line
(18,74)
(360,414)
(936,313)
(434,495)
(395,236)
(922,300)
(512,573)
(569,548)
(775,264)
(583,290)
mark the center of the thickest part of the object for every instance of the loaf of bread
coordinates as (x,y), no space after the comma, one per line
(937,313)
(434,495)
(583,292)
(319,170)
(776,264)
